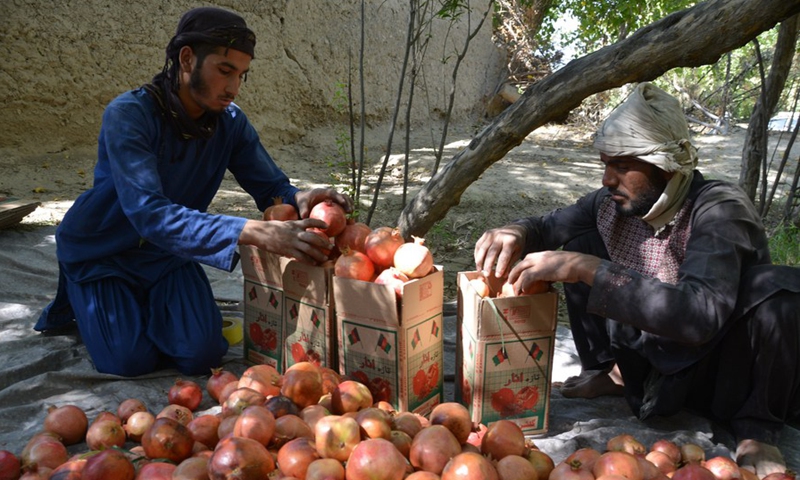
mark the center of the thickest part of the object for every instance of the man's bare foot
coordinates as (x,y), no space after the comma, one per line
(760,458)
(594,383)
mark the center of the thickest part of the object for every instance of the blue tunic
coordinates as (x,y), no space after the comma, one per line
(146,218)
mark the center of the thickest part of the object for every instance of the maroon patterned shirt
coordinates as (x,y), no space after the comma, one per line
(632,243)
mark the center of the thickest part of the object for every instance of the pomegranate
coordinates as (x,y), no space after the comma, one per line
(185,393)
(262,378)
(692,453)
(515,467)
(176,412)
(662,461)
(669,448)
(331,213)
(72,469)
(401,441)
(381,245)
(571,470)
(193,468)
(468,466)
(393,278)
(217,381)
(350,396)
(413,258)
(354,264)
(693,471)
(280,211)
(10,466)
(226,391)
(432,448)
(240,399)
(128,407)
(162,471)
(205,429)
(502,438)
(289,427)
(109,464)
(481,287)
(541,462)
(407,422)
(295,456)
(226,425)
(625,442)
(421,475)
(105,434)
(353,237)
(137,424)
(618,463)
(376,458)
(255,422)
(374,423)
(785,475)
(455,417)
(325,469)
(243,457)
(68,422)
(336,436)
(281,405)
(586,457)
(168,439)
(724,468)
(302,383)
(43,451)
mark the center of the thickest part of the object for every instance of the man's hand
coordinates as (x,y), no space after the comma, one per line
(306,199)
(501,245)
(287,238)
(553,266)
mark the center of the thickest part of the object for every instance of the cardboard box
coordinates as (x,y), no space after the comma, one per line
(393,346)
(504,355)
(288,311)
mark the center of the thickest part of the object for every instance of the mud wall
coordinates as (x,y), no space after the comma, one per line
(63,61)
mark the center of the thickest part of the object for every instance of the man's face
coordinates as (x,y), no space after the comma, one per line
(635,185)
(214,83)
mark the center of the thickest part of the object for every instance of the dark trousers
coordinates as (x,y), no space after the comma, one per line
(749,381)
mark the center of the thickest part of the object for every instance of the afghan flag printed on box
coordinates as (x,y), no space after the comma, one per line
(515,381)
(371,357)
(305,333)
(425,363)
(263,327)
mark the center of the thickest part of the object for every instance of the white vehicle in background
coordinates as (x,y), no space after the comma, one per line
(783,122)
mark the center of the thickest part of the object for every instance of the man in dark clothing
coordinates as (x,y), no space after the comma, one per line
(130,248)
(672,298)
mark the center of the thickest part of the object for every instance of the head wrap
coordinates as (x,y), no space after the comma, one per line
(214,26)
(203,25)
(650,125)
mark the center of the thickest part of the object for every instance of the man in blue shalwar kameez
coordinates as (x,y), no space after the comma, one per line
(130,248)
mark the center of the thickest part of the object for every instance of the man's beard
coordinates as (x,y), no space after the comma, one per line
(644,202)
(200,87)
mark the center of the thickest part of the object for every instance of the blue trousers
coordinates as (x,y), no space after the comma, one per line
(131,328)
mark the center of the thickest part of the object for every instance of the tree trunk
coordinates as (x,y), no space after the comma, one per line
(754,152)
(689,38)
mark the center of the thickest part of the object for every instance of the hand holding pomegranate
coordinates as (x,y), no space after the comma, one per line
(501,246)
(288,238)
(307,199)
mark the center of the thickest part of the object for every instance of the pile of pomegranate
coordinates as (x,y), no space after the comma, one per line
(311,423)
(359,252)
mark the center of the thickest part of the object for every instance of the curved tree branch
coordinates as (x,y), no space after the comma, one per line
(689,38)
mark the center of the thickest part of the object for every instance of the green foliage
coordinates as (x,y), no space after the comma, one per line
(784,245)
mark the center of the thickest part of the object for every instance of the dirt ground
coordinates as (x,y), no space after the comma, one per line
(553,167)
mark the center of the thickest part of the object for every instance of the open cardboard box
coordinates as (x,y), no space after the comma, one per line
(288,311)
(504,355)
(394,345)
